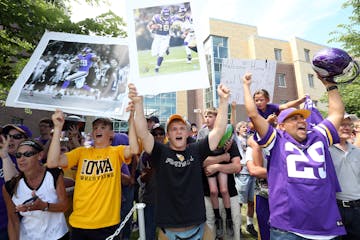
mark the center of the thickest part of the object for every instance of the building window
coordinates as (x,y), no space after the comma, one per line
(311,80)
(120,126)
(220,48)
(278,54)
(161,105)
(281,80)
(307,55)
(220,51)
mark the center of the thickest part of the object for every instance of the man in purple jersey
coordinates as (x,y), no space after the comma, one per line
(301,176)
(159,26)
(85,59)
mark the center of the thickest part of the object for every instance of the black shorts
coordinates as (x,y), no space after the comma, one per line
(93,234)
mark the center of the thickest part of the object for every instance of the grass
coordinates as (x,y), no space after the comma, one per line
(246,235)
(175,62)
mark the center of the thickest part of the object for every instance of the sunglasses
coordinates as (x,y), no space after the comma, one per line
(25,154)
(16,136)
(158,134)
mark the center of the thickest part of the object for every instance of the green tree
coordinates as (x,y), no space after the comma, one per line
(349,36)
(23,23)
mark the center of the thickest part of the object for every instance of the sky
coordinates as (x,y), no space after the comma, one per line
(279,19)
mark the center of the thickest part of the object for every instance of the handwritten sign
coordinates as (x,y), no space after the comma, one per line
(263,76)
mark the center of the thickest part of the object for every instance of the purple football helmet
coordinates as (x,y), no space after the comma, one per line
(165,13)
(86,50)
(182,11)
(335,65)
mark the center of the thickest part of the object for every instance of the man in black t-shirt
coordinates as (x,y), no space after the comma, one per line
(180,208)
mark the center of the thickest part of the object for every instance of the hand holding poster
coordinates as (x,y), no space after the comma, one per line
(263,76)
(79,74)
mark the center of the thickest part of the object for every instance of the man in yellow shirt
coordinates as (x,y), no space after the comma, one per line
(97,193)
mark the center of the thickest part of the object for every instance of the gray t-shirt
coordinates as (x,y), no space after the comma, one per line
(347,167)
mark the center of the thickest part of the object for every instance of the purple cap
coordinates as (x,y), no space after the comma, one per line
(120,139)
(20,128)
(284,114)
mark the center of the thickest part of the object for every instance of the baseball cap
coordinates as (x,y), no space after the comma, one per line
(284,114)
(20,128)
(153,118)
(173,118)
(352,117)
(157,126)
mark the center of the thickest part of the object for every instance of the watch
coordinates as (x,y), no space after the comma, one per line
(333,87)
(47,207)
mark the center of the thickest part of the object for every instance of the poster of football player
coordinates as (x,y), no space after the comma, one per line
(79,74)
(165,52)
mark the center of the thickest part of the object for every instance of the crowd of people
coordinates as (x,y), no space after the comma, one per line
(302,183)
(87,70)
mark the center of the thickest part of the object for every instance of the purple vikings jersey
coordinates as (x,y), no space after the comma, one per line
(164,24)
(85,62)
(302,181)
(270,109)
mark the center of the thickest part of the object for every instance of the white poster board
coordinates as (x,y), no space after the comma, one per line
(158,35)
(263,76)
(80,74)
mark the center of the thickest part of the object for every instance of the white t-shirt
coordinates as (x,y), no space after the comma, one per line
(40,224)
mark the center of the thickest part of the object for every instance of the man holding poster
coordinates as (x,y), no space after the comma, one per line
(178,169)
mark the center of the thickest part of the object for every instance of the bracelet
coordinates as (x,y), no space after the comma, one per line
(331,88)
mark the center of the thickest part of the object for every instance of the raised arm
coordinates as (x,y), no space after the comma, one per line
(260,124)
(233,114)
(221,119)
(140,122)
(54,159)
(294,103)
(133,147)
(9,168)
(336,106)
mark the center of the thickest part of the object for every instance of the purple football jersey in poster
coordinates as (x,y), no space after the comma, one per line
(85,62)
(302,182)
(164,24)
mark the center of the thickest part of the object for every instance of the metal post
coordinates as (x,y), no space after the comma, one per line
(140,214)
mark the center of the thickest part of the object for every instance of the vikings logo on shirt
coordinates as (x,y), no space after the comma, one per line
(180,157)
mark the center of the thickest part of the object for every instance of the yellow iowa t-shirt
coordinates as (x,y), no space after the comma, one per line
(97,192)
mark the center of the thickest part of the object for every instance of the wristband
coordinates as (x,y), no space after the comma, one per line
(331,88)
